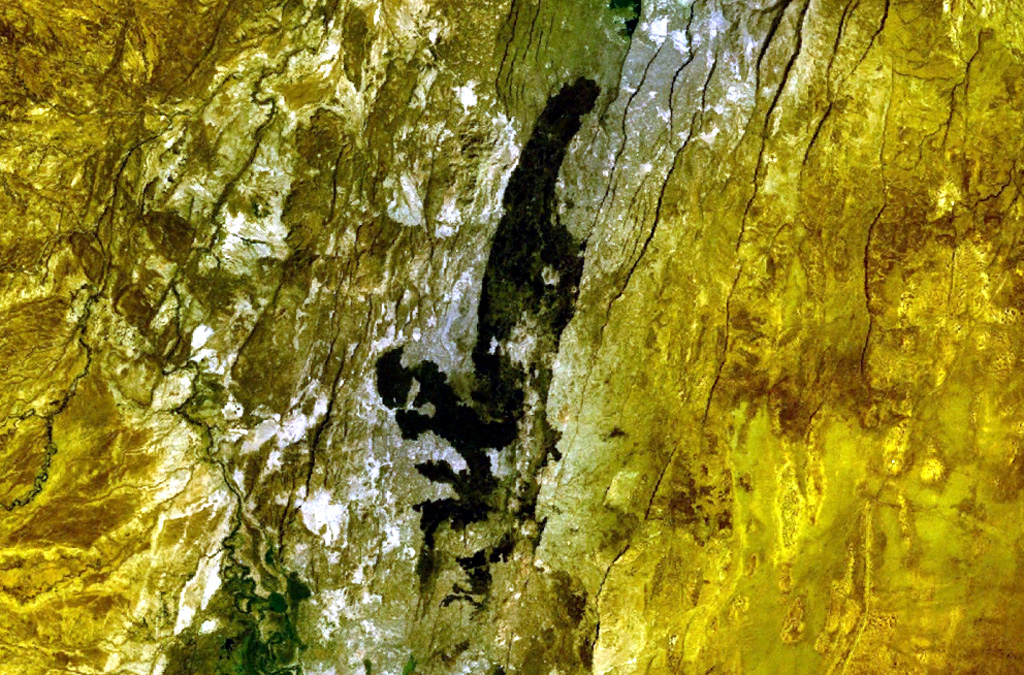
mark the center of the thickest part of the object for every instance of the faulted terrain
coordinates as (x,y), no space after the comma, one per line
(511,337)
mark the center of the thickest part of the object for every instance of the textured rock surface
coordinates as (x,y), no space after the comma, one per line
(513,337)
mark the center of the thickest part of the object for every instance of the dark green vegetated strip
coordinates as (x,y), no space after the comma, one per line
(255,635)
(256,631)
(43,474)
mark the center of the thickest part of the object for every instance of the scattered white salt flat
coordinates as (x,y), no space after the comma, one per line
(200,335)
(487,200)
(198,592)
(324,516)
(449,212)
(710,136)
(287,430)
(267,230)
(212,361)
(406,205)
(392,537)
(173,390)
(658,30)
(680,41)
(467,97)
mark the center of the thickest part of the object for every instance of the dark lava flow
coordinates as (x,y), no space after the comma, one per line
(533,272)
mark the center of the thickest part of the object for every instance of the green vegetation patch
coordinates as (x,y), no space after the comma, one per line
(255,632)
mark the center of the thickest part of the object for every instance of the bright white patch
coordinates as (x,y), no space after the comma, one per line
(233,409)
(440,451)
(717,24)
(262,237)
(286,431)
(185,615)
(467,97)
(449,210)
(211,361)
(327,58)
(328,670)
(522,342)
(274,461)
(324,517)
(423,85)
(393,537)
(212,571)
(680,42)
(738,94)
(208,626)
(658,30)
(198,592)
(406,207)
(461,285)
(336,606)
(173,390)
(710,136)
(200,335)
(377,346)
(497,466)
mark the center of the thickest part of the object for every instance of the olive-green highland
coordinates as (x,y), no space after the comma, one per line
(500,337)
